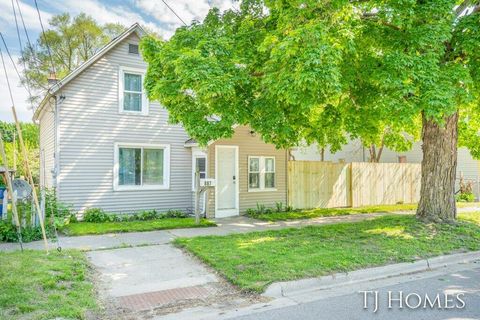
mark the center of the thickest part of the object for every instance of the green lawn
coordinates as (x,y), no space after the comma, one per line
(39,286)
(254,260)
(83,228)
(328,212)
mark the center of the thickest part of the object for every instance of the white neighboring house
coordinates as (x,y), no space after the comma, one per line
(355,152)
(103,144)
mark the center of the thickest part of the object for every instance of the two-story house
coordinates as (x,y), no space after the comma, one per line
(104,144)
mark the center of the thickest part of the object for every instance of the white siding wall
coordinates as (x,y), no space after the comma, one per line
(353,152)
(90,125)
(47,146)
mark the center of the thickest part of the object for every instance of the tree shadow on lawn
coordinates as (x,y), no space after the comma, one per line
(254,260)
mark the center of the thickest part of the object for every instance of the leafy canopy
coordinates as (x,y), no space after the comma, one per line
(72,41)
(321,71)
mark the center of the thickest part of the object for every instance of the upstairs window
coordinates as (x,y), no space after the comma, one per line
(131,94)
(133,48)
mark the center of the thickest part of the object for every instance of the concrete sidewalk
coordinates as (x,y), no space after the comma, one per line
(239,224)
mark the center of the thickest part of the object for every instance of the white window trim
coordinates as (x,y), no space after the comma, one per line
(195,155)
(262,174)
(121,86)
(166,166)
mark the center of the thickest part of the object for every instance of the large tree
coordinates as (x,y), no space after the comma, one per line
(324,70)
(71,42)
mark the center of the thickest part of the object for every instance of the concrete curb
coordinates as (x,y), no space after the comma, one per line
(292,288)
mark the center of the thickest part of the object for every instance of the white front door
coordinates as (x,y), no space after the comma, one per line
(226,190)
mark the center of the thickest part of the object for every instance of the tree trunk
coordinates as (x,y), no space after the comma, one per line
(373,154)
(439,164)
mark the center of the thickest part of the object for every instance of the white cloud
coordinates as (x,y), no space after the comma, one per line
(187,10)
(104,13)
(29,13)
(20,94)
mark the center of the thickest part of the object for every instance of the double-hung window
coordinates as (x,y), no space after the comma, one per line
(132,98)
(141,167)
(261,173)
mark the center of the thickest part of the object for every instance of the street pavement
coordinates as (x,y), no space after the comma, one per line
(349,303)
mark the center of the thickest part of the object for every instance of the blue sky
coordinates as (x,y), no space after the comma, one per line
(151,13)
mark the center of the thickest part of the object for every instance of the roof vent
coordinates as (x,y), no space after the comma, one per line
(133,48)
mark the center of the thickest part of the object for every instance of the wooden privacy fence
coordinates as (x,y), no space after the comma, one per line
(314,184)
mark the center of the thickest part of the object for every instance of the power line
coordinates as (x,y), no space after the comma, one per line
(24,27)
(21,51)
(13,63)
(174,13)
(45,38)
(6,75)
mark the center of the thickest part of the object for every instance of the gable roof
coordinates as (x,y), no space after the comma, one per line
(135,28)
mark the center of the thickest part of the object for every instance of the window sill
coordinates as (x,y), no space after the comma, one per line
(140,188)
(263,190)
(134,113)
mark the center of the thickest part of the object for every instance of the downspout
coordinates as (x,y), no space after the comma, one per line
(56,144)
(287,158)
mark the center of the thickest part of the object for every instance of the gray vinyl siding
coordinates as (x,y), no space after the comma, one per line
(249,145)
(47,146)
(89,126)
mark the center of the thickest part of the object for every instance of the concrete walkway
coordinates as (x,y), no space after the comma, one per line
(240,224)
(143,276)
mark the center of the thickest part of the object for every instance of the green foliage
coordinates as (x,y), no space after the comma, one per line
(8,232)
(30,134)
(39,286)
(83,228)
(321,71)
(262,210)
(323,250)
(57,212)
(466,191)
(97,215)
(174,214)
(72,41)
(465,197)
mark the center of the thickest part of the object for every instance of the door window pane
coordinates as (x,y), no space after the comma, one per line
(153,166)
(200,166)
(129,166)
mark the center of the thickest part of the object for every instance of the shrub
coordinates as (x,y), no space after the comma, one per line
(260,208)
(148,215)
(279,206)
(465,197)
(62,213)
(8,232)
(174,214)
(466,191)
(97,215)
